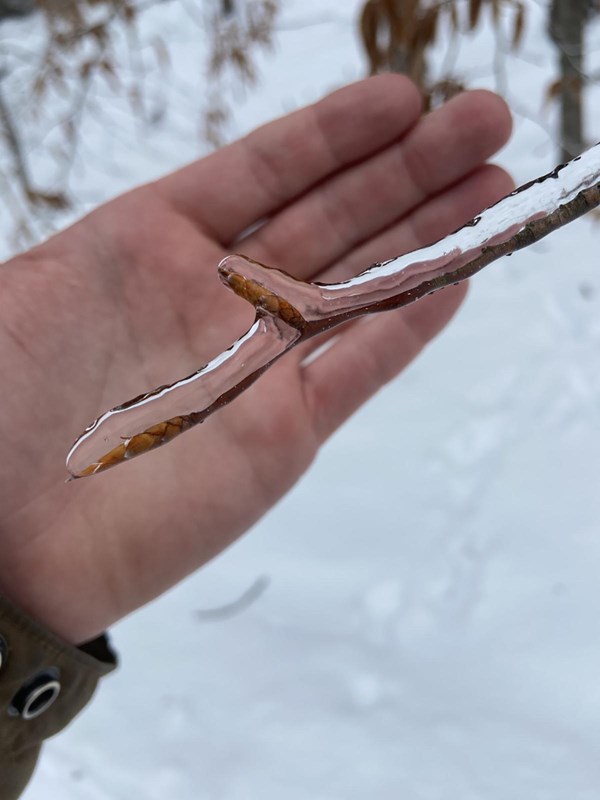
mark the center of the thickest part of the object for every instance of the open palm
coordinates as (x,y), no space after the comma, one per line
(129,298)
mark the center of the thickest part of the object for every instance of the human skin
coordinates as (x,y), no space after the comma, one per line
(128,298)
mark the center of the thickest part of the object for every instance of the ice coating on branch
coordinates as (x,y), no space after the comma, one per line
(289,310)
(191,400)
(497,223)
(495,226)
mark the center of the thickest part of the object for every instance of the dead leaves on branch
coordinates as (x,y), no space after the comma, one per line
(83,45)
(236,33)
(573,84)
(398,34)
(81,38)
(76,45)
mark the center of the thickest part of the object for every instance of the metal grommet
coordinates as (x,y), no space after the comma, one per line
(3,651)
(41,699)
(37,696)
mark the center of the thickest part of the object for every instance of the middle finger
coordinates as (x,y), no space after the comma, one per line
(331,220)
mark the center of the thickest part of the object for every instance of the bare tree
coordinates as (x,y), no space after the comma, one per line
(74,45)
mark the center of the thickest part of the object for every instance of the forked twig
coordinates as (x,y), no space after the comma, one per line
(289,311)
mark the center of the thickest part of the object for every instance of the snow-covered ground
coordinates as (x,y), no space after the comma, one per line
(431,627)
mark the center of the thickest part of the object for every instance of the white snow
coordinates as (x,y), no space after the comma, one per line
(431,629)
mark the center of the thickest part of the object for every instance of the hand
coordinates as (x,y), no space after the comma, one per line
(129,298)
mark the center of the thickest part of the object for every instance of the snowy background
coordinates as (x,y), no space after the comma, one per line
(431,626)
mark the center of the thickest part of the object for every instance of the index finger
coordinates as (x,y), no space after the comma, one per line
(250,179)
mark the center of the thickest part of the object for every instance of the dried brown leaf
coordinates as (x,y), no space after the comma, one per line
(428,26)
(411,19)
(446,89)
(85,69)
(99,32)
(474,13)
(410,9)
(390,10)
(553,91)
(107,68)
(129,13)
(57,201)
(519,26)
(369,28)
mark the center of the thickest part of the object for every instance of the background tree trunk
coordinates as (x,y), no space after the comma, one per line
(15,8)
(567,26)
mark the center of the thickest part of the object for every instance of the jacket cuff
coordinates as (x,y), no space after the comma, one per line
(44,684)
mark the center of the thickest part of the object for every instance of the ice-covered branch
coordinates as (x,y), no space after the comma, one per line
(290,311)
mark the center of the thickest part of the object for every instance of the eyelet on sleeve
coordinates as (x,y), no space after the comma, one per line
(37,695)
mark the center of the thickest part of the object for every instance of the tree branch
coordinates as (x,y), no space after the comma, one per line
(290,311)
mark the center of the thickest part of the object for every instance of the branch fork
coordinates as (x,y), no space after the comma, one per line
(289,311)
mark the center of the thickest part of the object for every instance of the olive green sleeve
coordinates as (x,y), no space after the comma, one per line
(44,683)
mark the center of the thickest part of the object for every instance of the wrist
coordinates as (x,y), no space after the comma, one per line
(21,595)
